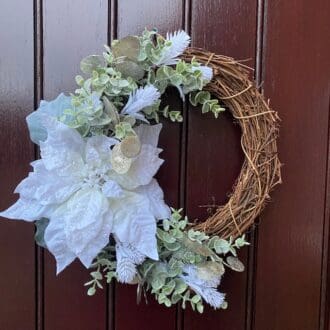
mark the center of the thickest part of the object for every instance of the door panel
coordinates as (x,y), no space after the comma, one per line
(17,250)
(296,78)
(72,30)
(286,285)
(214,156)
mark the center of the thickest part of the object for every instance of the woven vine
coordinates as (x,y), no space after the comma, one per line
(261,170)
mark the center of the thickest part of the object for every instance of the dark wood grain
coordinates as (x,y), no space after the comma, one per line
(325,287)
(296,75)
(132,19)
(17,250)
(214,156)
(72,30)
(291,287)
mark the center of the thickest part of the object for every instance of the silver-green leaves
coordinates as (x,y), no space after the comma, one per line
(178,248)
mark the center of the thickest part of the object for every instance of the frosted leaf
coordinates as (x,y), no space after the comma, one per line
(127,260)
(207,72)
(179,42)
(126,270)
(204,285)
(140,99)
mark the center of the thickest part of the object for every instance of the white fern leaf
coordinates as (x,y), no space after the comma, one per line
(126,270)
(205,287)
(127,260)
(131,253)
(213,297)
(207,72)
(179,42)
(140,99)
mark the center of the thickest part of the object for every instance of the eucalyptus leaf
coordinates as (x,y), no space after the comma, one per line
(128,47)
(130,69)
(41,226)
(91,291)
(92,63)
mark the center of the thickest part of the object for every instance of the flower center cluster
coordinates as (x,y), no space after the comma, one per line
(96,176)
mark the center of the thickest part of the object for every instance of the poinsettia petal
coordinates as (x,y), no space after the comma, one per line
(134,224)
(156,198)
(27,209)
(148,134)
(63,149)
(46,186)
(56,241)
(54,108)
(84,219)
(142,170)
(112,189)
(98,149)
(101,239)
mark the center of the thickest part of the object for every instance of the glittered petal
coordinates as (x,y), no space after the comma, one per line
(98,149)
(112,189)
(54,108)
(46,187)
(134,224)
(142,170)
(84,219)
(28,210)
(94,247)
(63,149)
(148,134)
(57,244)
(156,198)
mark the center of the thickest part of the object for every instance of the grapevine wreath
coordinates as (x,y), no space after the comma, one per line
(93,195)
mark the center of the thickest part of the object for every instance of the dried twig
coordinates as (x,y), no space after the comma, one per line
(259,124)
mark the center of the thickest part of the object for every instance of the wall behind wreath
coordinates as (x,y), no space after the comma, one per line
(286,285)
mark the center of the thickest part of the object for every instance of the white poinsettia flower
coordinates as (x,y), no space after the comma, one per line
(204,283)
(178,42)
(74,187)
(139,99)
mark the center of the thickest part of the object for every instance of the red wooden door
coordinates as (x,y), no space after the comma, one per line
(286,285)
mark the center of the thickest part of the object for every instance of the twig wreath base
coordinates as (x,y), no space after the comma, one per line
(260,172)
(92,195)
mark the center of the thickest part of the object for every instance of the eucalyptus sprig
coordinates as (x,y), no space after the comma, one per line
(179,249)
(131,63)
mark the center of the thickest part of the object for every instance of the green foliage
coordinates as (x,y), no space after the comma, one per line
(104,268)
(208,104)
(130,63)
(41,226)
(178,245)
